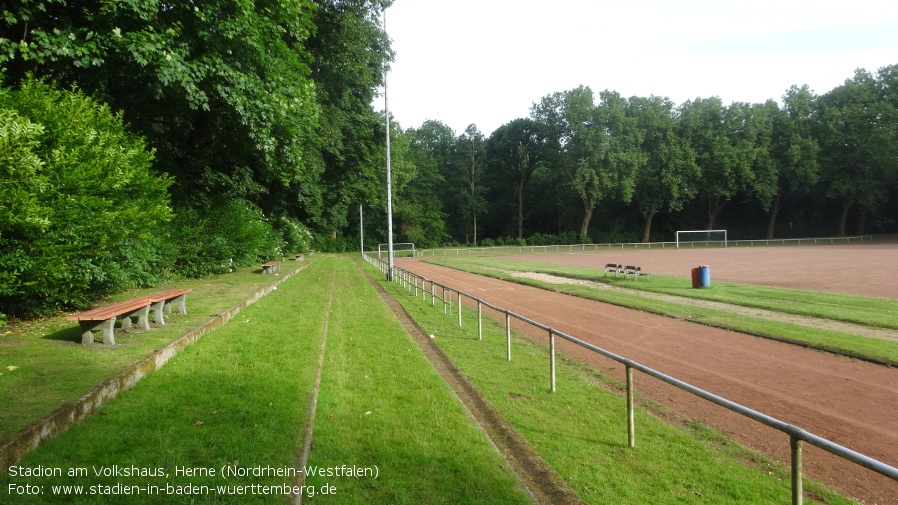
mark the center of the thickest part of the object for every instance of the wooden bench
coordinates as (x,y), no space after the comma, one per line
(612,267)
(635,271)
(271,267)
(103,318)
(163,301)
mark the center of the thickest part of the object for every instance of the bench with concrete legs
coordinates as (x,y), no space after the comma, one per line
(103,318)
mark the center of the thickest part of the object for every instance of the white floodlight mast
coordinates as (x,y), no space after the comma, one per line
(389,179)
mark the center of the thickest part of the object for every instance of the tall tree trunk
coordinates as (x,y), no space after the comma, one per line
(714,208)
(843,218)
(774,210)
(587,216)
(647,227)
(862,220)
(520,196)
(473,195)
(475,227)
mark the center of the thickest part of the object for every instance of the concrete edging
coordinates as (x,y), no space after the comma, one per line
(14,448)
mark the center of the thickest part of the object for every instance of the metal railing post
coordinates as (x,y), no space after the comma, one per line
(433,294)
(797,487)
(631,422)
(508,334)
(459,309)
(552,358)
(479,320)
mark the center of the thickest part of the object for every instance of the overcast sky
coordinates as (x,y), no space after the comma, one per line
(487,61)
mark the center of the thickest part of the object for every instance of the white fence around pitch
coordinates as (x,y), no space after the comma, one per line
(797,436)
(571,248)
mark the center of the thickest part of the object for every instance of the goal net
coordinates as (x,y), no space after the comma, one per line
(701,238)
(400,250)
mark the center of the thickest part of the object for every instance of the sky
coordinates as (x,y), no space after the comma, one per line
(487,61)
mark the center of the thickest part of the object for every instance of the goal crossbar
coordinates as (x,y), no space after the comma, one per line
(402,247)
(707,237)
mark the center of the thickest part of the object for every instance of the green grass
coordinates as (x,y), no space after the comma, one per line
(881,312)
(239,398)
(53,368)
(381,403)
(581,429)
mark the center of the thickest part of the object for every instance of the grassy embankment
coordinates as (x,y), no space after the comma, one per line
(866,311)
(239,398)
(581,429)
(44,365)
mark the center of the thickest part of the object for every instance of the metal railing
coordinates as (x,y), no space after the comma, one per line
(797,436)
(570,248)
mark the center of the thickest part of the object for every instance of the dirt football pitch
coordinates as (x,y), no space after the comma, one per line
(852,403)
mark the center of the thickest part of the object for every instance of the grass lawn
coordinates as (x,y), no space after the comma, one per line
(238,401)
(872,312)
(51,367)
(581,429)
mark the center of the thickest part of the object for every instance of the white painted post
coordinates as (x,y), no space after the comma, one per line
(552,358)
(479,320)
(508,334)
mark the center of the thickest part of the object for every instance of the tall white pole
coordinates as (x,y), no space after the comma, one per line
(362,230)
(389,179)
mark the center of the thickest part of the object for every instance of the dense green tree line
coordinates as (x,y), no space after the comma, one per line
(247,124)
(141,140)
(630,160)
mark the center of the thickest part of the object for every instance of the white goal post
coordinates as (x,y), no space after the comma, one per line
(401,249)
(704,238)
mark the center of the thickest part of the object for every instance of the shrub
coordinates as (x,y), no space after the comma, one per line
(297,237)
(218,239)
(83,212)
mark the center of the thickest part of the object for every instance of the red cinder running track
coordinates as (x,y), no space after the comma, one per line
(851,403)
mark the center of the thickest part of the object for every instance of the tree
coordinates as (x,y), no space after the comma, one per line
(793,150)
(596,147)
(669,177)
(223,93)
(82,212)
(349,52)
(418,206)
(856,133)
(470,154)
(515,151)
(607,150)
(725,141)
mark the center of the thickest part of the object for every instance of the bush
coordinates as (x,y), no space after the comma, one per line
(335,244)
(83,212)
(218,239)
(297,237)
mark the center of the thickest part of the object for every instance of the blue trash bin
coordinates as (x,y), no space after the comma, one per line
(704,274)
